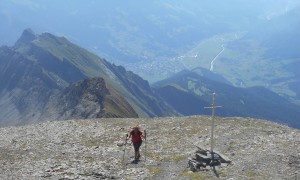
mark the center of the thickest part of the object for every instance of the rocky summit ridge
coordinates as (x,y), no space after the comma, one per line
(94,149)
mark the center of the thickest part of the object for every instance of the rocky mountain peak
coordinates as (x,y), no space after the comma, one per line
(27,36)
(93,86)
(89,98)
(92,89)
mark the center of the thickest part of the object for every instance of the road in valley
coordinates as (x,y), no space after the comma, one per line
(213,61)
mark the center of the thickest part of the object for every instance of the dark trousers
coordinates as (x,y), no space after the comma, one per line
(137,145)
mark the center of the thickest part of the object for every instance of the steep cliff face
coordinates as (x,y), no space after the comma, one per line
(91,149)
(25,88)
(31,96)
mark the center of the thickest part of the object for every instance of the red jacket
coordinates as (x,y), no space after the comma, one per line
(136,137)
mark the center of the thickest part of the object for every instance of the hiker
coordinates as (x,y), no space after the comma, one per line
(136,137)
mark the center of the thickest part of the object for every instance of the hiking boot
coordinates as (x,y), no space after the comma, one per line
(137,157)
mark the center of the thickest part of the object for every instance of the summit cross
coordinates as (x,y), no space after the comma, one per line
(213,107)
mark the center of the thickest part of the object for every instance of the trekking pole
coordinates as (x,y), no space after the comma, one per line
(145,143)
(125,142)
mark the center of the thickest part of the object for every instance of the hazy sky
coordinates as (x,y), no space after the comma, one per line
(136,29)
(70,16)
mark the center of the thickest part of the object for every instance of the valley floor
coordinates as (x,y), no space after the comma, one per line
(91,149)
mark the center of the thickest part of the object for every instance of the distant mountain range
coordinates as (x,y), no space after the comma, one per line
(46,77)
(189,92)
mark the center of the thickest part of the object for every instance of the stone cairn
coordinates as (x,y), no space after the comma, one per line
(203,158)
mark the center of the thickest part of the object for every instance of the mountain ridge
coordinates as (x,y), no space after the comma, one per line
(40,66)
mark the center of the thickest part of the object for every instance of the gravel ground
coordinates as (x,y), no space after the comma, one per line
(93,149)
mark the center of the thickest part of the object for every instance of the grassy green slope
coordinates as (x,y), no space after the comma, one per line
(90,64)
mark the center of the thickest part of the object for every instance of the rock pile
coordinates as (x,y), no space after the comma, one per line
(203,158)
